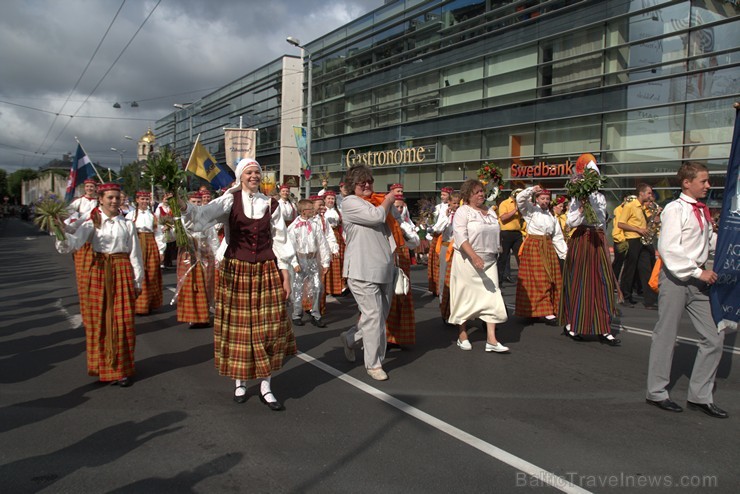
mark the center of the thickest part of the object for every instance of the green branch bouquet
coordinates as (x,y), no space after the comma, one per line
(50,213)
(163,169)
(581,185)
(492,179)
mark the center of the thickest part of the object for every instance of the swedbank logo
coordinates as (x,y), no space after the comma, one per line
(541,169)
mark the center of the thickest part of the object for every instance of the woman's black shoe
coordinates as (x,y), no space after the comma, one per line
(574,337)
(275,406)
(610,341)
(240,398)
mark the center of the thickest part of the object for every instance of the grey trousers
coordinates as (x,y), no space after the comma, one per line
(374,302)
(674,297)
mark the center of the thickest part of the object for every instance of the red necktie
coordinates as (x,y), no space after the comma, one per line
(703,207)
(301,223)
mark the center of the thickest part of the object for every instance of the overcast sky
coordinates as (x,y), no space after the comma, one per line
(186,49)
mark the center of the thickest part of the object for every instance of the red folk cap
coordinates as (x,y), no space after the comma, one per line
(109,186)
(90,181)
(143,193)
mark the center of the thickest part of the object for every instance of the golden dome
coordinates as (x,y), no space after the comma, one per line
(149,136)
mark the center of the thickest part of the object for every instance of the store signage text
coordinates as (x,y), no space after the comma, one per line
(386,158)
(541,169)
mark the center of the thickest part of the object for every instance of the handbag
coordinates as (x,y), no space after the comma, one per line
(402,283)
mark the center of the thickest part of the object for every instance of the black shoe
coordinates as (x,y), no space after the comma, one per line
(610,341)
(574,337)
(666,405)
(240,398)
(709,408)
(125,382)
(551,322)
(316,321)
(275,406)
(297,322)
(651,307)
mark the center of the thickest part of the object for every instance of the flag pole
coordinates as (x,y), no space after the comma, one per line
(192,151)
(91,162)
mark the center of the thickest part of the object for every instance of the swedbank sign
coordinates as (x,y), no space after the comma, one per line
(399,156)
(541,169)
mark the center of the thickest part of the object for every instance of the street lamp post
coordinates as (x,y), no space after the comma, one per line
(120,154)
(295,42)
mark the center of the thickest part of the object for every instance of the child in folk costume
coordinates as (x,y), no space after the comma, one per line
(195,274)
(446,251)
(252,331)
(441,244)
(79,211)
(400,325)
(333,281)
(152,248)
(440,212)
(423,231)
(323,226)
(312,258)
(588,301)
(112,284)
(539,282)
(165,221)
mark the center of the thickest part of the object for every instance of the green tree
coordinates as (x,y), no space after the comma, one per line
(130,178)
(15,182)
(3,183)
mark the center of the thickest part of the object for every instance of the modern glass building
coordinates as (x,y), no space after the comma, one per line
(427,91)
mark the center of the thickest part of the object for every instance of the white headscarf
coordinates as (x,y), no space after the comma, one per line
(240,167)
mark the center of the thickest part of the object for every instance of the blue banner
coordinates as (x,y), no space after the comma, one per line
(725,295)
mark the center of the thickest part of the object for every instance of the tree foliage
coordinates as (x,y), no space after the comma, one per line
(15,182)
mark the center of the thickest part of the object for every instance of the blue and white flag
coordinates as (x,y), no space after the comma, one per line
(81,169)
(725,293)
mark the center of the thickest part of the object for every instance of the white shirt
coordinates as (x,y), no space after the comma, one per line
(440,211)
(332,217)
(308,239)
(541,222)
(116,235)
(576,218)
(481,231)
(79,209)
(255,206)
(684,246)
(288,210)
(145,221)
(323,226)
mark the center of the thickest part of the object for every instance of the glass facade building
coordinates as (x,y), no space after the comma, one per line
(427,91)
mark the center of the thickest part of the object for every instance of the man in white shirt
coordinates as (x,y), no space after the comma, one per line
(686,240)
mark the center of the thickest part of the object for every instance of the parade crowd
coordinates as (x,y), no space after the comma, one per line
(257,266)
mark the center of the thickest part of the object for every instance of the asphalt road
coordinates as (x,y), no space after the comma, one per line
(553,415)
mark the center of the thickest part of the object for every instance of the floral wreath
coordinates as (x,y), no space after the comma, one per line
(492,178)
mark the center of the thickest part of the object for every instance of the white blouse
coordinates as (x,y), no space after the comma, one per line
(116,235)
(255,206)
(541,222)
(577,218)
(482,231)
(332,217)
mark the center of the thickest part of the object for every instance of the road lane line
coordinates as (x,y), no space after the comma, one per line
(644,332)
(540,474)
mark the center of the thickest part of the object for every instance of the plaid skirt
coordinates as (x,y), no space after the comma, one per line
(109,317)
(539,282)
(192,289)
(333,281)
(83,260)
(151,287)
(252,330)
(400,325)
(433,267)
(588,300)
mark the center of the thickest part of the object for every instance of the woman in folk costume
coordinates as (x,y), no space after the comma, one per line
(440,212)
(163,213)
(446,252)
(79,211)
(111,286)
(539,282)
(475,292)
(152,248)
(252,331)
(333,282)
(588,299)
(194,292)
(400,325)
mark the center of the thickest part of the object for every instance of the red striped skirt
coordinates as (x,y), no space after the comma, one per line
(109,317)
(433,267)
(444,302)
(333,281)
(539,282)
(83,260)
(400,326)
(151,287)
(588,301)
(252,330)
(192,289)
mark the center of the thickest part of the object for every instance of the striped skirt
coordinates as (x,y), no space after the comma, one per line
(539,282)
(433,267)
(192,289)
(444,301)
(252,330)
(151,287)
(83,260)
(109,317)
(400,325)
(588,300)
(333,282)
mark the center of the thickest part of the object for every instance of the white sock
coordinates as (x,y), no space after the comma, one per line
(550,317)
(609,336)
(567,328)
(266,391)
(240,391)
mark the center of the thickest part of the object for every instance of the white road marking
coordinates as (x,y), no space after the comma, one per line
(75,320)
(497,453)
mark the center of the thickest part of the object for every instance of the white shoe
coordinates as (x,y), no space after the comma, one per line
(464,345)
(378,374)
(498,348)
(349,352)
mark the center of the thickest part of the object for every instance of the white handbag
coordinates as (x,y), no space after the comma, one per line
(402,283)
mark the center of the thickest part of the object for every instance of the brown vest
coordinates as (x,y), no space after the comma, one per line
(250,240)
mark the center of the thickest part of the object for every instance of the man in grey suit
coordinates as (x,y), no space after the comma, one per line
(368,267)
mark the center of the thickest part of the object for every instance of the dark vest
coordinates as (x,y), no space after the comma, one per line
(250,240)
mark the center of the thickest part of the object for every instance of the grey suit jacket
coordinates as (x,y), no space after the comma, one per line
(369,252)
